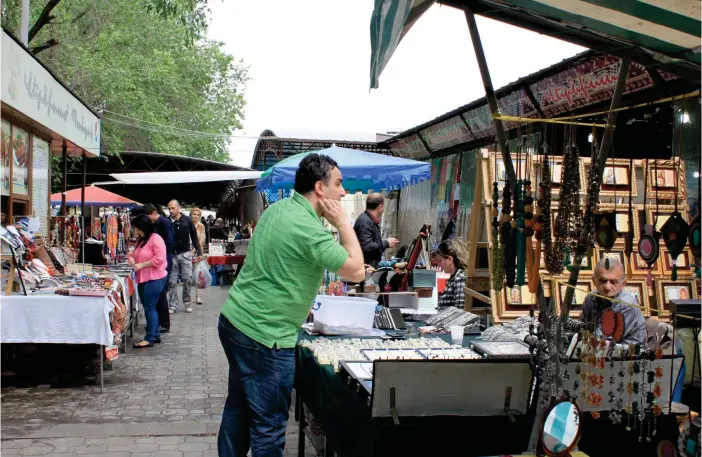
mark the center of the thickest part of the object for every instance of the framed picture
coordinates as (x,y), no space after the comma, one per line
(661,214)
(579,295)
(519,296)
(639,289)
(498,172)
(617,253)
(663,176)
(556,165)
(622,212)
(667,290)
(512,303)
(639,267)
(617,177)
(684,261)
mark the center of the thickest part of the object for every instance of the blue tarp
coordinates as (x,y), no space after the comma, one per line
(361,171)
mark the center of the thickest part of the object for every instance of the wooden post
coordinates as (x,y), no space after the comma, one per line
(490,93)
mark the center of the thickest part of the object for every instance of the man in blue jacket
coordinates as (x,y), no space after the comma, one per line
(164,227)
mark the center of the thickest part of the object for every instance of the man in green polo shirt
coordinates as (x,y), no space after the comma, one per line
(271,298)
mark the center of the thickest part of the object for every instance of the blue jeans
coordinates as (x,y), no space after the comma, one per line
(260,384)
(149,293)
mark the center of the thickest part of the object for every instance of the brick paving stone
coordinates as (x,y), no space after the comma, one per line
(193,447)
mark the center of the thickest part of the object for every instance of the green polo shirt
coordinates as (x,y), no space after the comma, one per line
(284,267)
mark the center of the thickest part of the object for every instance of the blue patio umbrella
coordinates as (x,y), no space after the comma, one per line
(361,170)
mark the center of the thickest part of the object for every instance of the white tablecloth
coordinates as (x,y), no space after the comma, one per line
(55,319)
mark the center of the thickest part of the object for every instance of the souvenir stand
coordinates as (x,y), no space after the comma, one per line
(49,301)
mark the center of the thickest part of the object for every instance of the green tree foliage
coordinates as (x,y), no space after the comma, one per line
(148,60)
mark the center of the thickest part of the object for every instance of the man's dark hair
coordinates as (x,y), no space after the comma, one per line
(374,200)
(313,168)
(150,208)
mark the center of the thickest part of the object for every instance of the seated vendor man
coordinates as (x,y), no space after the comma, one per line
(610,281)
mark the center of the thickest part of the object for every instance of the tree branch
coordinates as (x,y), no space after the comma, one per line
(43,47)
(80,15)
(44,18)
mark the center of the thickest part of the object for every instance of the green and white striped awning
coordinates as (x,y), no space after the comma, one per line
(663,33)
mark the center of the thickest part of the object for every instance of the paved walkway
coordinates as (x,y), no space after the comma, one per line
(164,401)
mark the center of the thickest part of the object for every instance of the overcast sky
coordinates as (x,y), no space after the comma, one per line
(309,65)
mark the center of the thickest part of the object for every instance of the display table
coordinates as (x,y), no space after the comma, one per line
(56,319)
(346,421)
(345,418)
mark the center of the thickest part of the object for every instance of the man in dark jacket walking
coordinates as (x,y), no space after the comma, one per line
(367,228)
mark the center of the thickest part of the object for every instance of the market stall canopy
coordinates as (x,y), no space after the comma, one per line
(171,177)
(361,170)
(652,32)
(94,196)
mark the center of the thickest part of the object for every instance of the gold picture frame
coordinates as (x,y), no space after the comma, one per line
(639,289)
(685,260)
(663,212)
(623,210)
(667,289)
(617,251)
(661,176)
(507,311)
(578,296)
(639,267)
(498,171)
(618,176)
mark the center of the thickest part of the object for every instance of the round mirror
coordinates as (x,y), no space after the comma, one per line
(560,430)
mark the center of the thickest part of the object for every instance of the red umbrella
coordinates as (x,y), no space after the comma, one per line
(94,196)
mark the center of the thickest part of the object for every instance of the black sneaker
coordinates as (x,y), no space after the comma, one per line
(157,339)
(164,330)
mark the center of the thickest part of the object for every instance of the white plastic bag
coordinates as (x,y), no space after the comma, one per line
(203,278)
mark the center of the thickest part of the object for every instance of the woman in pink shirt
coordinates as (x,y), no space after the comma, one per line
(149,262)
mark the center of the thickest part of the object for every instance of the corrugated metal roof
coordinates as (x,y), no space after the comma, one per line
(310,135)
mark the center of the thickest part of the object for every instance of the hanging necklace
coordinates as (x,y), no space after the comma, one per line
(543,211)
(498,271)
(629,239)
(648,240)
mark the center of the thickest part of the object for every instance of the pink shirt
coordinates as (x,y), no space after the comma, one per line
(155,250)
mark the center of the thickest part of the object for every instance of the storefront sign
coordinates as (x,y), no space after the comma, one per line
(20,157)
(587,84)
(410,148)
(5,158)
(40,182)
(447,133)
(29,88)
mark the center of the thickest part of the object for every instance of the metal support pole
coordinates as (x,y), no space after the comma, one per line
(102,369)
(490,93)
(24,23)
(82,208)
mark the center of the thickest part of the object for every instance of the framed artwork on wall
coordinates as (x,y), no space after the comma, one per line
(660,215)
(579,295)
(617,177)
(639,289)
(684,261)
(662,177)
(622,212)
(617,253)
(667,289)
(498,171)
(639,267)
